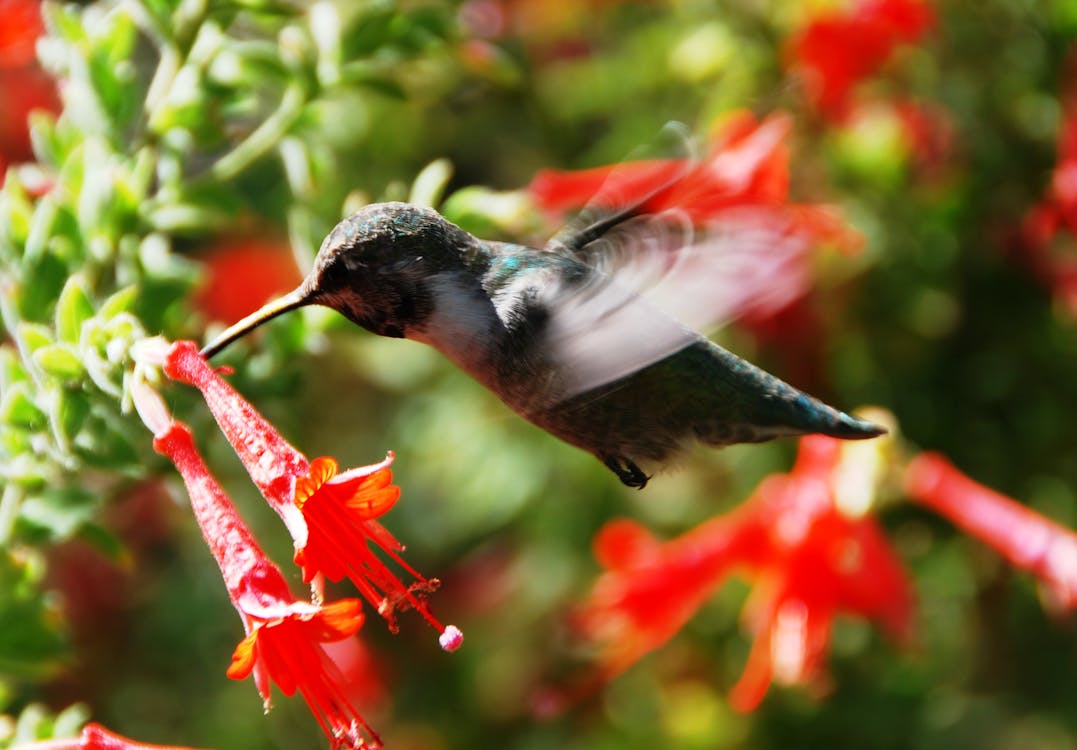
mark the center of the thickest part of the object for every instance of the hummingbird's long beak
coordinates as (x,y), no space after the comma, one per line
(290,301)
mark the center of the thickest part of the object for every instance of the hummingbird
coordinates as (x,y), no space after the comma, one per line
(590,338)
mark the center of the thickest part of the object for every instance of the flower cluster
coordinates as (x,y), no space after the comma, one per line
(809,548)
(808,555)
(839,49)
(331,516)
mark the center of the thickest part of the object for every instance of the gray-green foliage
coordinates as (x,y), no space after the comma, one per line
(167,107)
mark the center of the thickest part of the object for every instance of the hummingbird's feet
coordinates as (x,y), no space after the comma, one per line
(627,471)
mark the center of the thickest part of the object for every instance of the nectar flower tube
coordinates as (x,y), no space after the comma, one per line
(285,637)
(96,737)
(1018,533)
(331,515)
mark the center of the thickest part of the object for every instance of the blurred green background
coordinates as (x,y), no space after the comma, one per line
(189,128)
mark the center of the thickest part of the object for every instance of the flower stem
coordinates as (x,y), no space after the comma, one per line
(264,137)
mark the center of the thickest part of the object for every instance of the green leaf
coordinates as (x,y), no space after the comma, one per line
(11,368)
(73,409)
(65,21)
(101,444)
(59,360)
(429,186)
(73,308)
(179,218)
(17,408)
(41,284)
(16,215)
(14,441)
(31,646)
(40,229)
(70,721)
(34,336)
(120,302)
(197,209)
(111,70)
(59,513)
(28,470)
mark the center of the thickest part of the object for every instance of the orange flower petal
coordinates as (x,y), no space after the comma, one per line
(243,658)
(340,620)
(322,469)
(369,502)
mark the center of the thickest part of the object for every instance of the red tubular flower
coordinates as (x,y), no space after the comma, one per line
(285,637)
(807,560)
(96,737)
(747,166)
(837,50)
(1022,536)
(650,589)
(739,191)
(330,516)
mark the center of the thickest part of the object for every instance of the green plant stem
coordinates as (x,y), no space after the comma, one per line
(264,137)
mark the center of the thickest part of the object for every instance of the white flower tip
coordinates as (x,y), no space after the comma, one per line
(151,351)
(451,638)
(150,406)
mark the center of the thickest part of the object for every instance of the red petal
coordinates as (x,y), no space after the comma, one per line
(623,544)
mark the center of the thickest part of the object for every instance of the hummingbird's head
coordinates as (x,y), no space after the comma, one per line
(375,268)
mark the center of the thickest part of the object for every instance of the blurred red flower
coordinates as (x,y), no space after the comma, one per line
(24,87)
(838,49)
(1050,260)
(747,165)
(20,26)
(739,191)
(285,636)
(330,516)
(1022,536)
(808,561)
(242,273)
(929,133)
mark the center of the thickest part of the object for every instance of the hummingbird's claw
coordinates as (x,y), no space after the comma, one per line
(627,471)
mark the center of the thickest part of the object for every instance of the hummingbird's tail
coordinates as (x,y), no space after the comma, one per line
(760,406)
(790,412)
(841,425)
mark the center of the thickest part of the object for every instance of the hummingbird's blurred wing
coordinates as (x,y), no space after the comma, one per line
(626,188)
(751,260)
(659,277)
(655,280)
